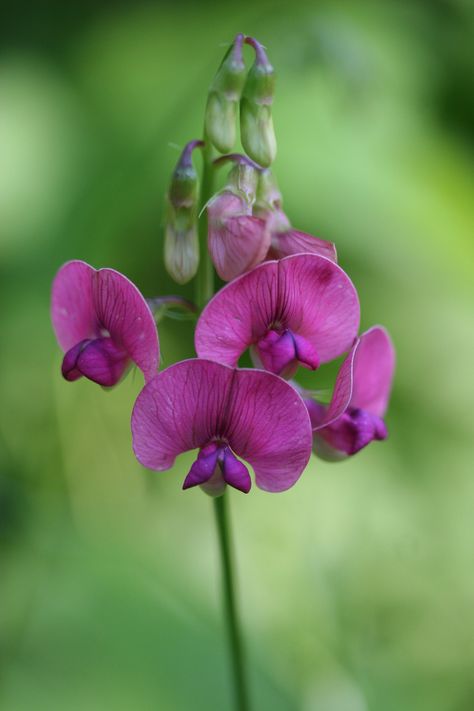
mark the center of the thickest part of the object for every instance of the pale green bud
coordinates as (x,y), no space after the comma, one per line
(268,193)
(181,234)
(256,123)
(257,132)
(181,245)
(243,180)
(220,121)
(223,99)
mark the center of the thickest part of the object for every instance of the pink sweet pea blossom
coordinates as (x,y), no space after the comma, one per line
(237,240)
(301,309)
(360,398)
(224,412)
(102,323)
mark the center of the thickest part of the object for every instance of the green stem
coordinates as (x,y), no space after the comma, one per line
(235,643)
(204,292)
(205,275)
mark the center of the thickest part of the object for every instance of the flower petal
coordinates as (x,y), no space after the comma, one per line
(353,431)
(322,416)
(124,313)
(180,409)
(203,468)
(306,293)
(72,305)
(284,244)
(277,352)
(374,365)
(269,427)
(101,361)
(261,417)
(235,472)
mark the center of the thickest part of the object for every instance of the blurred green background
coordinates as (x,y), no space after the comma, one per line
(356,586)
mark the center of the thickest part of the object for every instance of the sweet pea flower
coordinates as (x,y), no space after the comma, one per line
(300,310)
(102,323)
(284,240)
(226,413)
(237,240)
(355,415)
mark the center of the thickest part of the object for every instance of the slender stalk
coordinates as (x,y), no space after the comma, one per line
(205,275)
(233,631)
(205,291)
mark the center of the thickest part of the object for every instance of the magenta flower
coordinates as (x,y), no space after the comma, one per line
(360,398)
(224,412)
(102,323)
(302,310)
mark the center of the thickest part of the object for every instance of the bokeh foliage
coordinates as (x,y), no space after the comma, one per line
(357,585)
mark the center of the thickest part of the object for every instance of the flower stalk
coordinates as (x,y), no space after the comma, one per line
(230,608)
(203,294)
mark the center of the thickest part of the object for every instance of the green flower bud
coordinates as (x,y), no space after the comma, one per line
(223,99)
(243,177)
(256,123)
(268,193)
(181,234)
(220,121)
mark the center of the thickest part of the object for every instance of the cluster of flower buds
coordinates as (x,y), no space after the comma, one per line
(287,302)
(254,92)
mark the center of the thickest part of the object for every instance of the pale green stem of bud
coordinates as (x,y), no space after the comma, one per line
(181,235)
(223,99)
(256,123)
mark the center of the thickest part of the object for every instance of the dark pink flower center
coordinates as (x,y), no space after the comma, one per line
(352,431)
(98,359)
(216,466)
(281,351)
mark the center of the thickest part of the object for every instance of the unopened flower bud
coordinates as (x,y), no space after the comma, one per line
(243,177)
(223,99)
(268,205)
(181,236)
(256,123)
(268,193)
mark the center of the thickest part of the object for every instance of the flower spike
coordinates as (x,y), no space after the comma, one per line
(102,323)
(302,309)
(226,413)
(354,417)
